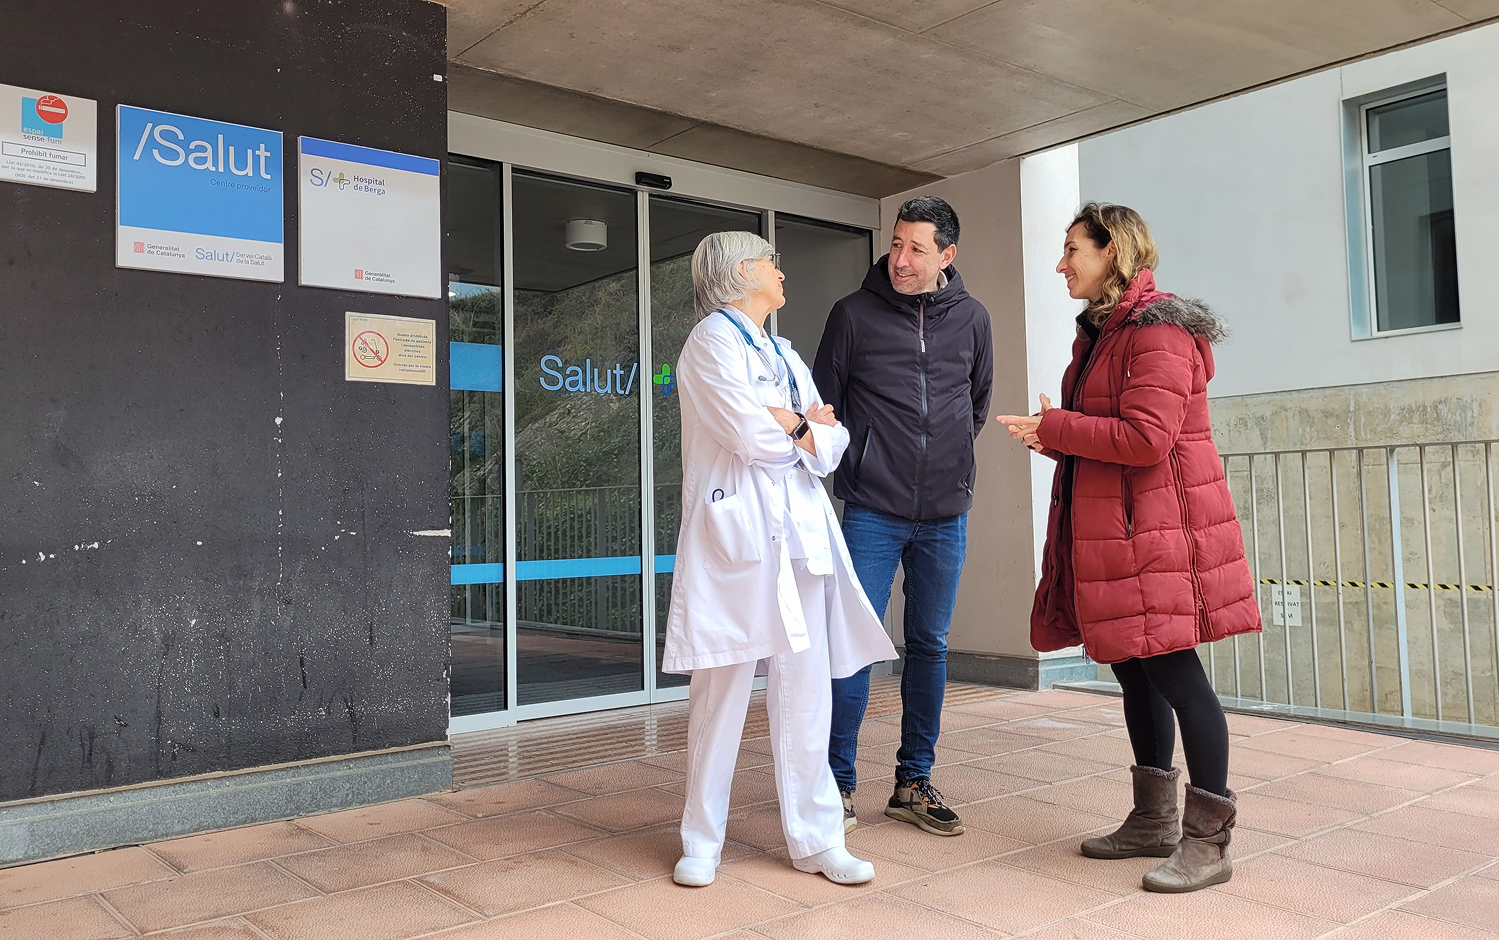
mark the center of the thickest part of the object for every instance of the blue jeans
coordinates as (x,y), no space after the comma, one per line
(932,552)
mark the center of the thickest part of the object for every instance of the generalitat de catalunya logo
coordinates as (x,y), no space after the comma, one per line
(43,116)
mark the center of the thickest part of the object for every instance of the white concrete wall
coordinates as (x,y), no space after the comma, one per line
(1245,197)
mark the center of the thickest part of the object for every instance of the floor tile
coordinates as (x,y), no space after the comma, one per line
(663,910)
(205,895)
(1102,747)
(1248,842)
(1056,727)
(519,834)
(82,874)
(1472,902)
(1309,889)
(1297,743)
(757,826)
(1003,897)
(234,928)
(1469,801)
(1056,699)
(612,778)
(555,922)
(1400,925)
(1391,773)
(1045,766)
(237,846)
(73,918)
(1111,798)
(875,915)
(962,721)
(992,740)
(965,783)
(522,882)
(1473,760)
(1075,929)
(1289,817)
(1418,823)
(1256,724)
(1269,765)
(1383,857)
(1212,915)
(1062,860)
(370,863)
(1033,821)
(499,799)
(772,871)
(1348,735)
(386,819)
(620,812)
(1355,796)
(645,854)
(879,731)
(1491,782)
(908,845)
(388,912)
(999,709)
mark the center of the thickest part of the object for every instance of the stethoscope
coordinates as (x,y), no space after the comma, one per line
(775,373)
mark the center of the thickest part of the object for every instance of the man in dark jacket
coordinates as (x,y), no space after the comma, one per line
(907,362)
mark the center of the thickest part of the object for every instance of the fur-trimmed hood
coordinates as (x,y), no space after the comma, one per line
(1190,314)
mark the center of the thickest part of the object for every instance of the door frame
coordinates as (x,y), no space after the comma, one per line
(515,147)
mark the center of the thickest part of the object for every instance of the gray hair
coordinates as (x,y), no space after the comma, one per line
(717,278)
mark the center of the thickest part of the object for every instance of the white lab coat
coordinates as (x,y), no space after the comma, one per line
(734,595)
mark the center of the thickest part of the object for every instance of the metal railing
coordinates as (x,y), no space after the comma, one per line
(1375,571)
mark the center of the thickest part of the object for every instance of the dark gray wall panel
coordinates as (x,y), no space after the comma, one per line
(241,592)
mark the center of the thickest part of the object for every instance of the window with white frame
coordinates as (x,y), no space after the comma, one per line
(1410,242)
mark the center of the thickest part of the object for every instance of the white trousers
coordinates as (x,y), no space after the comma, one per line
(799,699)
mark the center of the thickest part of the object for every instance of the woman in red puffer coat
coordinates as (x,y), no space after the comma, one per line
(1144,557)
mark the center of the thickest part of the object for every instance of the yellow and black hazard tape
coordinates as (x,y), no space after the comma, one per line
(1411,585)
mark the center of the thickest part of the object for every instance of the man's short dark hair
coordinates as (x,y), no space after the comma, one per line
(936,211)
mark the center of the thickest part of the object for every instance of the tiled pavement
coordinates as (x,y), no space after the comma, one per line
(1342,833)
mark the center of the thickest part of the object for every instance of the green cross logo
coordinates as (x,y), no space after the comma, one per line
(665,379)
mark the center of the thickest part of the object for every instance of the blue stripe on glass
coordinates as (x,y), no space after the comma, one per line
(369,156)
(476,367)
(476,574)
(558,568)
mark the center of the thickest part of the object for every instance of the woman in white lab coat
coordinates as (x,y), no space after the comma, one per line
(762,571)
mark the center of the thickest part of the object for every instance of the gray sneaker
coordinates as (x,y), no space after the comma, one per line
(918,802)
(849,819)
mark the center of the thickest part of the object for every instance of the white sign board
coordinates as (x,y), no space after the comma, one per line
(196,196)
(370,220)
(1285,604)
(48,139)
(389,349)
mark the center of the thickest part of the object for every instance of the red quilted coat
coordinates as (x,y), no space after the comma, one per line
(1144,554)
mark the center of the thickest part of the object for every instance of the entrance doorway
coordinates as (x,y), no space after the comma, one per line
(570,297)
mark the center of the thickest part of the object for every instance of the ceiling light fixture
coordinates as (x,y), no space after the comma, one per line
(587,235)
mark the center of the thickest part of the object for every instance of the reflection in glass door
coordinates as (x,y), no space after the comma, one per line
(577,382)
(676,227)
(476,437)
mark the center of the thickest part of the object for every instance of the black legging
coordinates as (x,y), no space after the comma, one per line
(1154,687)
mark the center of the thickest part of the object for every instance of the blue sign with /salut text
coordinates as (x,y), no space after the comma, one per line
(199,196)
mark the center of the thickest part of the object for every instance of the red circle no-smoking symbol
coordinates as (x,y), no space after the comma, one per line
(371,349)
(51,109)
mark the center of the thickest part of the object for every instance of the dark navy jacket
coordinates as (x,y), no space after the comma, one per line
(909,376)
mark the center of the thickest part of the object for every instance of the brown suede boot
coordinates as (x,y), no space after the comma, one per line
(1202,858)
(1152,828)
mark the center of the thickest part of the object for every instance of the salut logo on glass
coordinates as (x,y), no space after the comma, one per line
(43,117)
(665,379)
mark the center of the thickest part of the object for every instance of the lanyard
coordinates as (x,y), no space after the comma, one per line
(796,395)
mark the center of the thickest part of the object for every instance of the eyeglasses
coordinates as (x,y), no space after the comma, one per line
(775,261)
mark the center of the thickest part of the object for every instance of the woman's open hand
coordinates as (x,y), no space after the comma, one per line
(822,414)
(1024,428)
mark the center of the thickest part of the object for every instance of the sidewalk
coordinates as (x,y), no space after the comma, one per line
(1341,833)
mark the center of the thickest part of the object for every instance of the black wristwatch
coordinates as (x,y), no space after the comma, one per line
(801,429)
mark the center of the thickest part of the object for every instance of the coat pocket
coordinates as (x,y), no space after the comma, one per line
(1129,506)
(729,540)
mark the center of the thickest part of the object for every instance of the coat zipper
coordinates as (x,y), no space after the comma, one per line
(921,381)
(1129,505)
(1181,496)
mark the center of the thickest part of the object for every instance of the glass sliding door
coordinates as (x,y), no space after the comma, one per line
(579,621)
(476,436)
(823,263)
(676,227)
